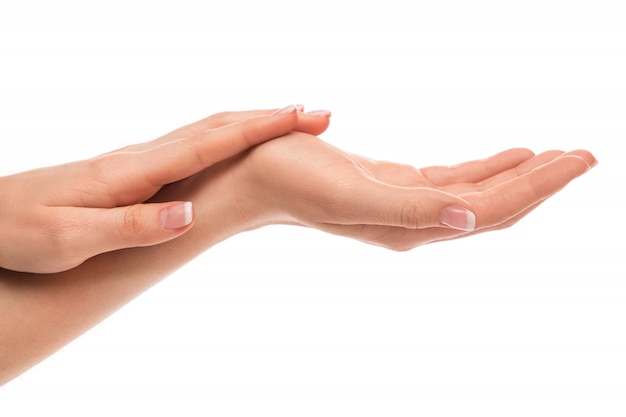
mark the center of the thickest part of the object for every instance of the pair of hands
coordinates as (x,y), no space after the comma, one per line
(268,167)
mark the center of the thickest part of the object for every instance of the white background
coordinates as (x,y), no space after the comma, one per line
(288,321)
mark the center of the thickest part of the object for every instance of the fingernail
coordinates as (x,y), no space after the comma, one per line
(300,107)
(285,110)
(319,113)
(458,218)
(176,216)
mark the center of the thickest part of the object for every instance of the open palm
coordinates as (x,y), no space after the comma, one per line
(300,179)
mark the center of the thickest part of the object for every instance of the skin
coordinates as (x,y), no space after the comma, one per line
(294,179)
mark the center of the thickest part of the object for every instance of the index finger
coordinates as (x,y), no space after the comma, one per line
(477,170)
(506,200)
(181,158)
(212,122)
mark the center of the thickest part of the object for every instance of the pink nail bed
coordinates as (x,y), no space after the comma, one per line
(458,218)
(177,216)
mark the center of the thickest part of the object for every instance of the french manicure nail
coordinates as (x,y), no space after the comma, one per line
(176,216)
(458,218)
(319,113)
(285,110)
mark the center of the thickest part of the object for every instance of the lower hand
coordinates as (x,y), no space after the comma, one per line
(299,179)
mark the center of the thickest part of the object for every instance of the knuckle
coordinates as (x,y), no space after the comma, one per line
(248,134)
(131,227)
(100,168)
(59,251)
(103,174)
(190,147)
(411,216)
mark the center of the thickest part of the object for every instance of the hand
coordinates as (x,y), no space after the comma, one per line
(53,219)
(299,179)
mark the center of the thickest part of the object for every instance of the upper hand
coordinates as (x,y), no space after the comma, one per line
(53,219)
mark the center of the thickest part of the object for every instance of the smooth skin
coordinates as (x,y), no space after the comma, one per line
(293,179)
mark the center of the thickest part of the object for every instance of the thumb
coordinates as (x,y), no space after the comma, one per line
(457,217)
(414,208)
(100,230)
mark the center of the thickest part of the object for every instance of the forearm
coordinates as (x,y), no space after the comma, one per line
(39,314)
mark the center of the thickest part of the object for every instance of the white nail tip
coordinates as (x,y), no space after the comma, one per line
(188,210)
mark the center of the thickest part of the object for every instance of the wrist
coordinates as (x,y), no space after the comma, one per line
(225,203)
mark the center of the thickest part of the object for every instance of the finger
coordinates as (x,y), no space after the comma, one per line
(399,239)
(521,169)
(314,123)
(181,158)
(541,188)
(85,232)
(446,235)
(212,122)
(456,176)
(479,170)
(375,203)
(509,199)
(538,189)
(585,155)
(531,164)
(192,129)
(392,173)
(442,235)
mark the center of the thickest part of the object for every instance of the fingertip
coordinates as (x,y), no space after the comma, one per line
(287,117)
(292,108)
(584,155)
(578,165)
(314,122)
(513,157)
(459,218)
(523,153)
(319,113)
